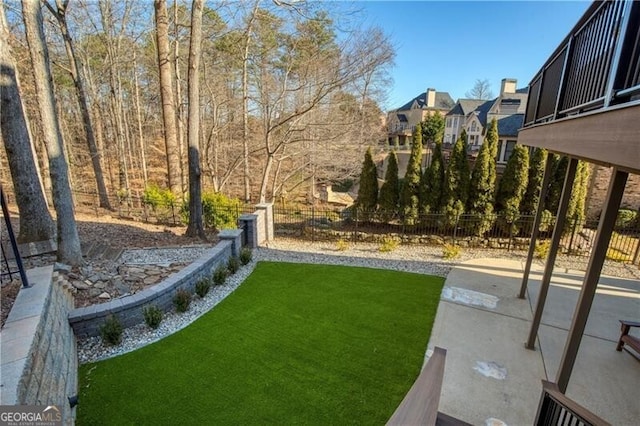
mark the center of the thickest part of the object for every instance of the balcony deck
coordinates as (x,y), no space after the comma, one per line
(594,73)
(490,375)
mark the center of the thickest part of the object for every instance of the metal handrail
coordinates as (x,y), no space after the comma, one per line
(12,239)
(596,53)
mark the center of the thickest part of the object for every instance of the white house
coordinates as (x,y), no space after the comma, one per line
(473,115)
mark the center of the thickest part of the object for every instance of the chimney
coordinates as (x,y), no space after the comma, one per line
(508,86)
(431,98)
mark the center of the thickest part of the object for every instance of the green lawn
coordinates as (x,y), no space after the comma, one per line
(296,343)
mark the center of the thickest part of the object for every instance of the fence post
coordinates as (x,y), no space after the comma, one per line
(573,234)
(355,231)
(313,223)
(510,236)
(455,230)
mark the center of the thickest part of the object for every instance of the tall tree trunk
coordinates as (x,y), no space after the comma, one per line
(166,95)
(179,107)
(60,14)
(35,220)
(195,227)
(68,242)
(143,155)
(245,104)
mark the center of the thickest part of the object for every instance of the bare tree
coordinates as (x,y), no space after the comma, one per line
(68,242)
(245,101)
(195,227)
(166,94)
(480,90)
(60,13)
(35,220)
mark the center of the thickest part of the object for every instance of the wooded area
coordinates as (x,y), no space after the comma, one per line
(290,94)
(286,96)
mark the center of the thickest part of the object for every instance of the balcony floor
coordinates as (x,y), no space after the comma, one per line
(490,376)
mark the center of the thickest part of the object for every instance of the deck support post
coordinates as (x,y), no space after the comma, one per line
(553,251)
(592,276)
(536,228)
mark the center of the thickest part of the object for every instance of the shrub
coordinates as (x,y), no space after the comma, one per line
(202,287)
(182,300)
(245,255)
(342,245)
(152,316)
(111,331)
(450,251)
(542,249)
(218,211)
(388,244)
(233,264)
(220,275)
(158,197)
(626,219)
(617,255)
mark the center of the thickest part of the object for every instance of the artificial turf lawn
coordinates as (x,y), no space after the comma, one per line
(295,343)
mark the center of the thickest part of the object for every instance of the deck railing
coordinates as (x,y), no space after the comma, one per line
(556,409)
(596,66)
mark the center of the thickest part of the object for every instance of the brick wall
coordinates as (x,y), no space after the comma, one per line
(599,182)
(39,354)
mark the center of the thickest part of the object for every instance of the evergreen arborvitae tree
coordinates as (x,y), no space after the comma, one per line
(396,143)
(431,184)
(456,182)
(411,186)
(559,171)
(483,184)
(368,191)
(512,187)
(492,141)
(576,209)
(390,191)
(531,198)
(433,128)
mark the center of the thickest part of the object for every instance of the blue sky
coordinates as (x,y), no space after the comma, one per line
(448,45)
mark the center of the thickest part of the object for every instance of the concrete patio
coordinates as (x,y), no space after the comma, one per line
(490,378)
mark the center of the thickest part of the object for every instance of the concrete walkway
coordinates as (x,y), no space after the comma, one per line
(490,378)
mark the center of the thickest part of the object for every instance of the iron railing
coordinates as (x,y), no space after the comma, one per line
(596,66)
(318,224)
(556,409)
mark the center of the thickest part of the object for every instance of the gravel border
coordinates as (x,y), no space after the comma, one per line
(417,259)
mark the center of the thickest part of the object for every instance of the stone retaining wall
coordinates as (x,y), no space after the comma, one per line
(39,355)
(86,321)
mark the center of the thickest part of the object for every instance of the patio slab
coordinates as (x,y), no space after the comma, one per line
(489,375)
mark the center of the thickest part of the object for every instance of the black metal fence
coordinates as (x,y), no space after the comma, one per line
(134,207)
(465,230)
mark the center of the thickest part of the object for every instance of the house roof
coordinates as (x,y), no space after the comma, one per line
(465,106)
(509,126)
(443,101)
(482,111)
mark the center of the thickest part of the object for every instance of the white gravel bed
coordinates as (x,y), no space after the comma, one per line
(417,259)
(162,255)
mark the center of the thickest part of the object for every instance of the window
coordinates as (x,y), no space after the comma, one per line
(455,122)
(473,126)
(448,122)
(508,150)
(472,139)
